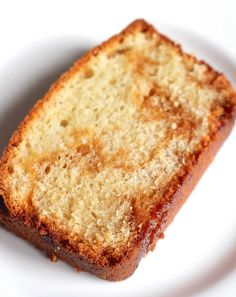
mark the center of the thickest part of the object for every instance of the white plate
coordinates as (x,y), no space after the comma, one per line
(198,254)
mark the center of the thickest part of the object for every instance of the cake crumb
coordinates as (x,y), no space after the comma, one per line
(176,104)
(77,269)
(53,258)
(173,126)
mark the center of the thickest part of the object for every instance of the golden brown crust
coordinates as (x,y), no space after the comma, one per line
(176,198)
(60,250)
(53,242)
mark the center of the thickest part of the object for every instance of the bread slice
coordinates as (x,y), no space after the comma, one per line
(104,161)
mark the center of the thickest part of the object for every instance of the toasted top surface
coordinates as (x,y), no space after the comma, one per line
(97,154)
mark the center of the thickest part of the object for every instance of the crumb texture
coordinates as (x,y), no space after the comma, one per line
(102,151)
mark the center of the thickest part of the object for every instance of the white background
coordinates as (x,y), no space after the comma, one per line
(38,41)
(23,22)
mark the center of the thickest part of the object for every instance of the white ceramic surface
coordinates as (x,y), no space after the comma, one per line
(197,256)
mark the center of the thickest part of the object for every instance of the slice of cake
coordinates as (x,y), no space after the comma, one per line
(104,161)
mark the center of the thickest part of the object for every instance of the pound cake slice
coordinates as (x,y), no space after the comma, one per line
(104,161)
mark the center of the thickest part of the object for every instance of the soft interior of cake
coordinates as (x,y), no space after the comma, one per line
(120,128)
